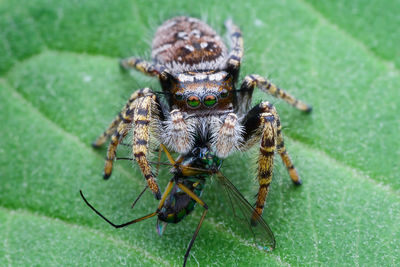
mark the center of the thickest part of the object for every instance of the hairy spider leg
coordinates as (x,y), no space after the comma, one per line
(236,54)
(252,122)
(114,124)
(119,134)
(266,86)
(110,130)
(140,65)
(143,113)
(140,109)
(262,122)
(280,147)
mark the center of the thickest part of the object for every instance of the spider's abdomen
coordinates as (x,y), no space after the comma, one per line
(187,44)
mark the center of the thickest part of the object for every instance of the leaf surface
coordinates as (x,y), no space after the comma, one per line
(60,86)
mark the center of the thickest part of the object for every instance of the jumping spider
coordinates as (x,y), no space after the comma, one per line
(202,106)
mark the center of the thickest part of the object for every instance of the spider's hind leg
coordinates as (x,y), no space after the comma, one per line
(262,122)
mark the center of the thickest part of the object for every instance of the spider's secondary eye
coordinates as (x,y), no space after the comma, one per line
(179,96)
(224,93)
(193,101)
(210,100)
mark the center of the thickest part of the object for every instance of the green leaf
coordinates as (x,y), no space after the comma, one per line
(60,86)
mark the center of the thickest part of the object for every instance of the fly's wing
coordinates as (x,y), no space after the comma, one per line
(257,227)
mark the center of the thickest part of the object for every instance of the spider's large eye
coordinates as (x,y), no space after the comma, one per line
(179,96)
(210,100)
(224,93)
(193,101)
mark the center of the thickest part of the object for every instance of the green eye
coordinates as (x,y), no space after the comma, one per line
(178,96)
(224,93)
(210,100)
(193,101)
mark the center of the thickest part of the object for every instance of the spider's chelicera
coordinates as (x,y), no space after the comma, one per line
(199,112)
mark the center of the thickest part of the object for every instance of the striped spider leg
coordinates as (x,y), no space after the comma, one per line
(142,108)
(262,123)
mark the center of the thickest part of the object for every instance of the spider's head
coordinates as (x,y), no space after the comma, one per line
(202,90)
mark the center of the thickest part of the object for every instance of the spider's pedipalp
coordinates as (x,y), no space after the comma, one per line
(178,133)
(228,136)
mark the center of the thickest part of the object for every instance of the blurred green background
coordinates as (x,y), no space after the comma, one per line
(60,86)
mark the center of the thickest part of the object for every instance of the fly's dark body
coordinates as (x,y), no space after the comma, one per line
(179,204)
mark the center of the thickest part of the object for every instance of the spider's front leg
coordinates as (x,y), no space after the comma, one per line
(142,108)
(262,122)
(146,110)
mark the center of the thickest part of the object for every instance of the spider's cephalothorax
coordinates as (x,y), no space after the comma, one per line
(203,106)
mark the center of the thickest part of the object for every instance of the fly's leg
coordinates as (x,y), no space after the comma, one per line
(164,197)
(140,195)
(262,122)
(204,205)
(266,86)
